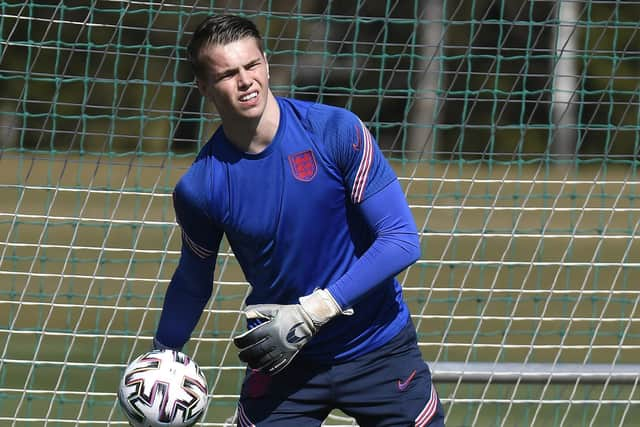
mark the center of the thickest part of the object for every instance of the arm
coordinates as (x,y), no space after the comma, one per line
(191,285)
(188,292)
(375,191)
(395,247)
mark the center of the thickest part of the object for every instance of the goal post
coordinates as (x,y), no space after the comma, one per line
(511,373)
(513,127)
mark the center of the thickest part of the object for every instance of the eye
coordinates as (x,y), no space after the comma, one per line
(224,76)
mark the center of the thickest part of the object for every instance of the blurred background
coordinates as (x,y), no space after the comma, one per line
(480,78)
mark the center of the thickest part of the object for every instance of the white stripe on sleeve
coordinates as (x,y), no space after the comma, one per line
(197,249)
(360,182)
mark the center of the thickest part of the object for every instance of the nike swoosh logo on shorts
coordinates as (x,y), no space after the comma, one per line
(402,385)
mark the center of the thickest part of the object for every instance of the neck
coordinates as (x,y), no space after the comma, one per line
(254,135)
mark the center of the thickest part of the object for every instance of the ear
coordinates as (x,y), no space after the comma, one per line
(267,64)
(202,87)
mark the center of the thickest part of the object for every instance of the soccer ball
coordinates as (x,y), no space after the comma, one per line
(163,388)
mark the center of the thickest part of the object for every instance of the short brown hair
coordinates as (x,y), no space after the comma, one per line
(219,29)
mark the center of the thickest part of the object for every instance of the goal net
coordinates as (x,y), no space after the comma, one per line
(514,128)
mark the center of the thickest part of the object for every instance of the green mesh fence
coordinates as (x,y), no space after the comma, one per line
(514,128)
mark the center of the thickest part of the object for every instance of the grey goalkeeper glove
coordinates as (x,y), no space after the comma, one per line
(272,345)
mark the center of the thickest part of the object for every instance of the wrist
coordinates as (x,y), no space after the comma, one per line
(157,345)
(320,306)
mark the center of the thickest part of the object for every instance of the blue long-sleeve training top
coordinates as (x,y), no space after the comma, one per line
(320,207)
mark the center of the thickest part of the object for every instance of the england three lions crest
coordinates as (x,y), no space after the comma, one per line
(303,165)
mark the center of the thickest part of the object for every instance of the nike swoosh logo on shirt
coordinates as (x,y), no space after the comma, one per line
(402,385)
(357,145)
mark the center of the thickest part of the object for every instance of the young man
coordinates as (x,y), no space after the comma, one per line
(320,226)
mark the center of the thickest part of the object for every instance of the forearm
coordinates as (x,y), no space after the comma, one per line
(188,293)
(395,247)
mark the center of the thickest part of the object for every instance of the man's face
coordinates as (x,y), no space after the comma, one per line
(237,78)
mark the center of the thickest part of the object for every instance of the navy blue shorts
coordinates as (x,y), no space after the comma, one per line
(390,386)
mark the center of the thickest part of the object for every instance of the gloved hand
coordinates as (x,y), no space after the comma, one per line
(272,345)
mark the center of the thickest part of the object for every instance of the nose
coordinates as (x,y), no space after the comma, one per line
(244,80)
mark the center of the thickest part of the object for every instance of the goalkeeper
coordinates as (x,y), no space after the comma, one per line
(320,226)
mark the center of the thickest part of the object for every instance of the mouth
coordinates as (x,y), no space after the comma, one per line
(248,97)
